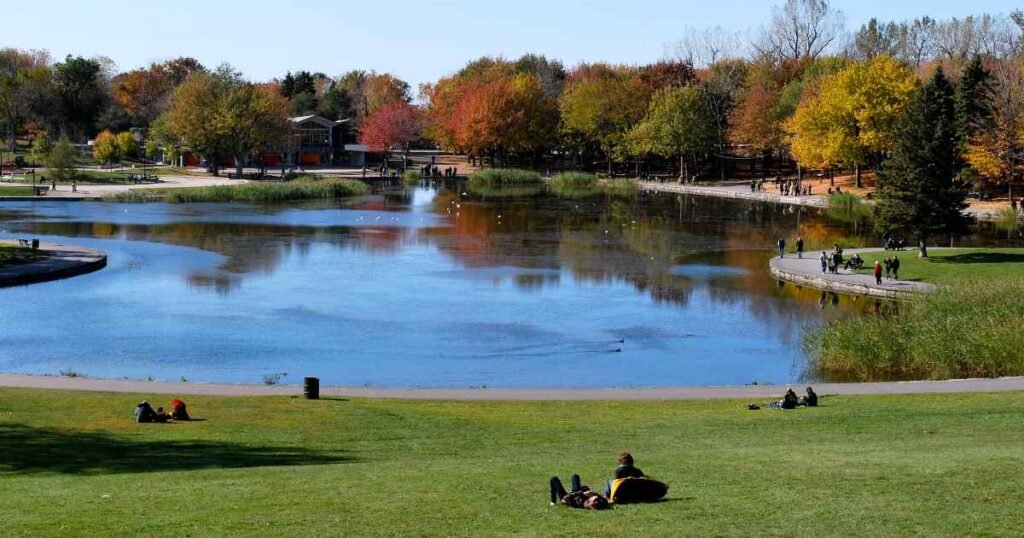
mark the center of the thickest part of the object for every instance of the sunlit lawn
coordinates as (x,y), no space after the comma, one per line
(943,266)
(75,464)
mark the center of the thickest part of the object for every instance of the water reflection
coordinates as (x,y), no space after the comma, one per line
(428,286)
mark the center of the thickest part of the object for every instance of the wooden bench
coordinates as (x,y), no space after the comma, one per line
(29,243)
(41,189)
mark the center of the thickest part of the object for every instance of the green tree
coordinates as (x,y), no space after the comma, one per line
(60,161)
(679,123)
(973,102)
(127,145)
(219,115)
(920,194)
(79,95)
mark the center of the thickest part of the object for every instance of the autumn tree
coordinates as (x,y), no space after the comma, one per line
(600,110)
(679,123)
(106,147)
(993,134)
(219,115)
(23,79)
(919,193)
(370,91)
(395,125)
(852,116)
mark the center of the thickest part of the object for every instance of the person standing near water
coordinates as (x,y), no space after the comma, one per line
(824,262)
(800,247)
(782,248)
(896,267)
(878,273)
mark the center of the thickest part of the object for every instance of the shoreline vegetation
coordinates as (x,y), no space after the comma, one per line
(257,459)
(969,327)
(307,187)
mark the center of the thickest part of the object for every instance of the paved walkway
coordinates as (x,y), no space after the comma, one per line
(807,272)
(59,261)
(735,190)
(756,393)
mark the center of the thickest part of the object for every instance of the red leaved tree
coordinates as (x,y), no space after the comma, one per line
(395,124)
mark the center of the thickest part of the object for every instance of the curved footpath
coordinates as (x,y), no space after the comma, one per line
(753,392)
(59,261)
(739,191)
(807,272)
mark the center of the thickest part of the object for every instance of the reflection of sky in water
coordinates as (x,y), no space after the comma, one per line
(390,290)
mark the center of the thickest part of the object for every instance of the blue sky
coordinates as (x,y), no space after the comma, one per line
(416,40)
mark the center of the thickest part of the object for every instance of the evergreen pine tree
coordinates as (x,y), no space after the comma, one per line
(973,102)
(920,194)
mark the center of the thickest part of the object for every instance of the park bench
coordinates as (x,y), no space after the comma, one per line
(41,190)
(29,243)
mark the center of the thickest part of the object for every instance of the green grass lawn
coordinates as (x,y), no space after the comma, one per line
(13,255)
(944,266)
(16,191)
(74,464)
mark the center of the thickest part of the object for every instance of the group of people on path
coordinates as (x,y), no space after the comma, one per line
(144,412)
(435,172)
(892,269)
(799,247)
(786,187)
(831,262)
(581,496)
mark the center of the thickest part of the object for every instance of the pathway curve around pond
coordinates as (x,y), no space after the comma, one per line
(58,261)
(807,272)
(751,392)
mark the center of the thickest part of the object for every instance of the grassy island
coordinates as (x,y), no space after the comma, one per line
(302,188)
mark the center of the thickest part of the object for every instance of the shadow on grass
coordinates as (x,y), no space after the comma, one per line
(42,450)
(980,257)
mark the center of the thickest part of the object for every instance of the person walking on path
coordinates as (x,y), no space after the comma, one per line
(878,273)
(895,267)
(800,247)
(824,262)
(782,248)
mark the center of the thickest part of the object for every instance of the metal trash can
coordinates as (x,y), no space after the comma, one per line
(311,388)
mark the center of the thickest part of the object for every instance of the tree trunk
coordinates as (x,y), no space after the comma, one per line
(682,166)
(238,167)
(856,174)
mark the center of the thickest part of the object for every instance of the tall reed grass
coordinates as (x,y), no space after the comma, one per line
(970,328)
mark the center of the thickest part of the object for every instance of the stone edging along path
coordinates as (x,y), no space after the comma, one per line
(753,392)
(60,261)
(807,272)
(737,191)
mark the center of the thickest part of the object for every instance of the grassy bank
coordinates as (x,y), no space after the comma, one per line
(882,465)
(15,255)
(16,191)
(303,188)
(953,265)
(968,328)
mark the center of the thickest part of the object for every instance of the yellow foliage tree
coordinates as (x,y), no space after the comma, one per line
(851,115)
(106,147)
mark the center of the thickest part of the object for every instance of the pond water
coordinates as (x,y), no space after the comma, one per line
(428,286)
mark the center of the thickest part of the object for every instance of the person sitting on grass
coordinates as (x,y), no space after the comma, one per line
(161,416)
(626,468)
(144,413)
(178,410)
(811,400)
(789,400)
(579,497)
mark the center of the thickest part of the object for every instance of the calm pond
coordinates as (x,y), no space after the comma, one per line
(429,286)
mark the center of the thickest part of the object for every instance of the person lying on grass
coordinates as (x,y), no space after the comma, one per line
(579,497)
